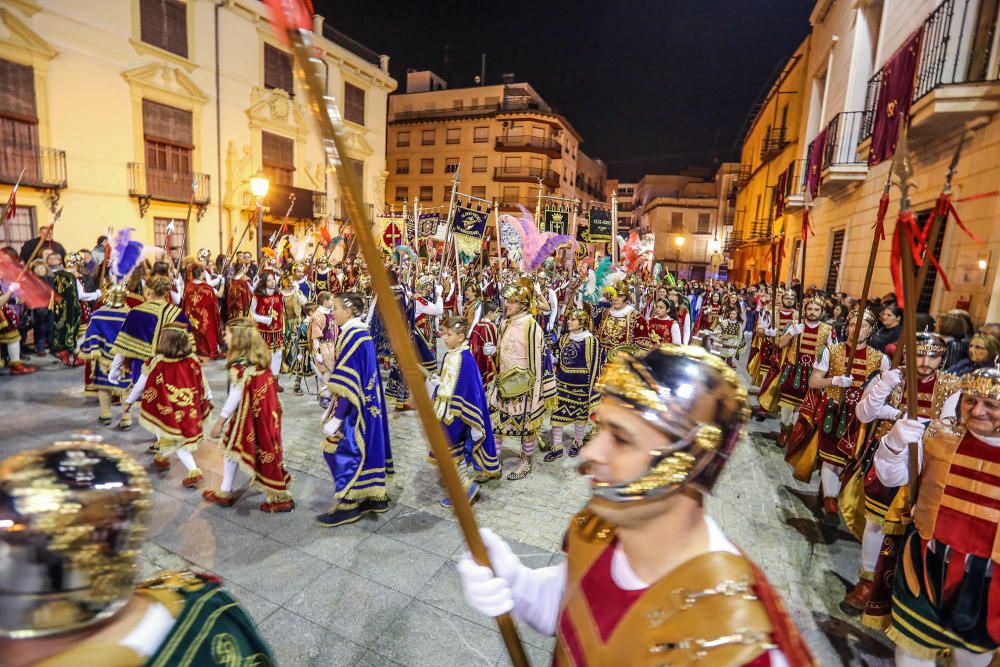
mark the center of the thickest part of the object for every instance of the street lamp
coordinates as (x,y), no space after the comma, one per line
(259,185)
(679,242)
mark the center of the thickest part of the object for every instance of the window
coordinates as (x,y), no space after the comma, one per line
(479,191)
(836,257)
(704,223)
(20,228)
(536,166)
(358,167)
(426,193)
(277,69)
(402,193)
(278,158)
(354,104)
(510,194)
(481,135)
(453,135)
(402,166)
(450,165)
(479,164)
(178,239)
(18,123)
(457,104)
(427,165)
(163,23)
(512,163)
(168,136)
(403,139)
(427,137)
(676,221)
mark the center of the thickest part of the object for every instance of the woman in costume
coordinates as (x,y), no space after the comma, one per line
(578,363)
(357,447)
(663,326)
(238,294)
(728,332)
(174,399)
(201,306)
(460,403)
(252,438)
(267,310)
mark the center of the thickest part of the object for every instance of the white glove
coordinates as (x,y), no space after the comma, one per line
(13,287)
(903,432)
(842,380)
(266,320)
(332,427)
(98,293)
(439,289)
(476,434)
(115,374)
(318,357)
(489,349)
(891,378)
(796,329)
(431,384)
(490,591)
(770,332)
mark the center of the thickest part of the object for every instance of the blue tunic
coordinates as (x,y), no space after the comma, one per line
(461,405)
(140,333)
(361,461)
(98,342)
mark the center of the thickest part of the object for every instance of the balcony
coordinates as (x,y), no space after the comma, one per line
(761,230)
(300,203)
(43,168)
(508,205)
(549,147)
(774,142)
(549,178)
(352,45)
(842,163)
(149,185)
(795,185)
(955,80)
(469,111)
(744,176)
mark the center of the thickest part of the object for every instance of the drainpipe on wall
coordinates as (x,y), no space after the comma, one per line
(218,121)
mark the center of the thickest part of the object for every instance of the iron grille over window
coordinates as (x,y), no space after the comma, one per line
(163,23)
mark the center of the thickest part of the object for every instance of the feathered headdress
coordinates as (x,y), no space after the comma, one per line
(404,250)
(536,245)
(597,280)
(125,253)
(632,254)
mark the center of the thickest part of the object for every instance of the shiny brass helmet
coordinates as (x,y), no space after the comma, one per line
(114,295)
(982,383)
(581,315)
(73,260)
(930,344)
(518,293)
(425,283)
(204,255)
(72,520)
(695,399)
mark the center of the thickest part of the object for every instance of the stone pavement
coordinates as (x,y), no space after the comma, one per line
(384,591)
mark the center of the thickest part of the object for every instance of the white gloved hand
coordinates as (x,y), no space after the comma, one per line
(903,432)
(439,289)
(476,434)
(13,287)
(489,349)
(891,378)
(842,380)
(796,329)
(267,320)
(318,357)
(115,374)
(332,427)
(431,384)
(771,333)
(98,293)
(490,592)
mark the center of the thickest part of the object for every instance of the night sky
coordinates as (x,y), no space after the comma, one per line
(653,86)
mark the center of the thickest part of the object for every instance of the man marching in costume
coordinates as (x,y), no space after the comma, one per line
(420,313)
(622,328)
(648,577)
(516,400)
(882,403)
(69,297)
(946,592)
(578,362)
(201,305)
(801,344)
(98,342)
(820,434)
(460,403)
(357,446)
(766,364)
(92,499)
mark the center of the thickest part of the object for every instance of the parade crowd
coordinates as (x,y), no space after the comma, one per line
(621,357)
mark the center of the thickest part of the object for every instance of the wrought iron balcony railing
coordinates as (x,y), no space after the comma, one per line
(843,134)
(170,186)
(549,147)
(36,167)
(774,142)
(549,177)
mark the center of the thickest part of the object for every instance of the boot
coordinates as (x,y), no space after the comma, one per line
(854,602)
(21,368)
(63,356)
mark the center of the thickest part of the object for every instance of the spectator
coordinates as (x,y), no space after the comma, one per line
(991,328)
(983,349)
(28,249)
(98,252)
(953,328)
(884,340)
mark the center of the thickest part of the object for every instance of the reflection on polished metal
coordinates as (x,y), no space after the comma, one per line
(983,383)
(72,520)
(695,400)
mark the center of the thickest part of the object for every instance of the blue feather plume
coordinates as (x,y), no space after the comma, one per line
(125,253)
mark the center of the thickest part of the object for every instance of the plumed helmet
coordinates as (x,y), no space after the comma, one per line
(982,383)
(695,400)
(204,255)
(72,520)
(114,295)
(518,293)
(425,282)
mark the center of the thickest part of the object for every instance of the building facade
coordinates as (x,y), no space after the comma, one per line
(128,113)
(956,90)
(506,142)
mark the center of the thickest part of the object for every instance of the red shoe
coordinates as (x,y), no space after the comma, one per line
(191,482)
(63,356)
(77,361)
(277,506)
(854,603)
(22,369)
(217,498)
(161,462)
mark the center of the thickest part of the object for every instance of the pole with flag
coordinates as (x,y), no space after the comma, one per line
(10,206)
(293,23)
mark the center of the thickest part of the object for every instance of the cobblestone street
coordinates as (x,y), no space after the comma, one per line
(384,591)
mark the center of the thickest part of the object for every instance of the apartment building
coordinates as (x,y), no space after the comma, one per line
(125,113)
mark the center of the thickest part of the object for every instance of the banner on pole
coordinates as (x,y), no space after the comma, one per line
(428,224)
(556,220)
(468,226)
(600,225)
(392,232)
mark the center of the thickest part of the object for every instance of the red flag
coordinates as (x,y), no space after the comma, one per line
(33,291)
(779,194)
(894,98)
(290,15)
(13,204)
(815,161)
(324,234)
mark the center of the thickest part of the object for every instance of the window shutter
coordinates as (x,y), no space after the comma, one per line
(163,23)
(277,151)
(354,104)
(277,69)
(167,124)
(17,91)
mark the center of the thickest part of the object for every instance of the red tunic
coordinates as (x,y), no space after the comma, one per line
(202,309)
(238,297)
(661,330)
(484,332)
(272,306)
(174,403)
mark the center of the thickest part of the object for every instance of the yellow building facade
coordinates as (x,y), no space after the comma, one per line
(121,112)
(769,171)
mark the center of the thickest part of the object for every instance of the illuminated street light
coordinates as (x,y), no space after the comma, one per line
(259,185)
(679,241)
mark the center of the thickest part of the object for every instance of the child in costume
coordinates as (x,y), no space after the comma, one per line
(322,337)
(302,364)
(578,363)
(460,403)
(175,400)
(98,341)
(252,439)
(483,340)
(728,331)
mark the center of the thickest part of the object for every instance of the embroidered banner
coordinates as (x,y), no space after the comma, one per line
(582,231)
(894,98)
(600,225)
(556,220)
(468,226)
(428,224)
(392,232)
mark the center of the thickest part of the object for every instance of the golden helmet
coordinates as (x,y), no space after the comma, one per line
(982,383)
(204,255)
(517,293)
(72,521)
(114,295)
(73,260)
(425,282)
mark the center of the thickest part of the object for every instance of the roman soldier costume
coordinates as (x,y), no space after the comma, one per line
(622,330)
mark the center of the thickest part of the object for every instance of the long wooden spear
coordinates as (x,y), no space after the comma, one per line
(294,24)
(11,199)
